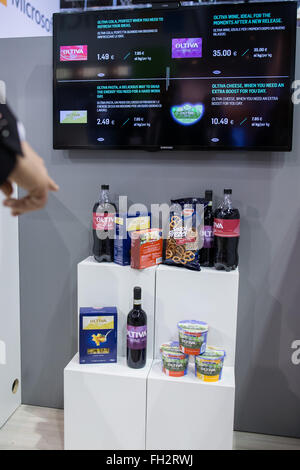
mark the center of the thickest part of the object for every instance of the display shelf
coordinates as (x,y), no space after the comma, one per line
(186,413)
(119,368)
(105,406)
(108,284)
(208,295)
(109,406)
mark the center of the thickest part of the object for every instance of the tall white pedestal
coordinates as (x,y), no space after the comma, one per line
(105,406)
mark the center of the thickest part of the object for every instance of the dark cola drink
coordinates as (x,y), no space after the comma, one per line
(104,214)
(137,333)
(206,254)
(226,234)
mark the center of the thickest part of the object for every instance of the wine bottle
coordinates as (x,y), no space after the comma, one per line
(137,333)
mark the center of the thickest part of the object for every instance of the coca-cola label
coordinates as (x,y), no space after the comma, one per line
(208,236)
(137,337)
(227,228)
(103,221)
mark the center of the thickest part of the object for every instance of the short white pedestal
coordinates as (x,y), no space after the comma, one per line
(185,413)
(108,284)
(105,406)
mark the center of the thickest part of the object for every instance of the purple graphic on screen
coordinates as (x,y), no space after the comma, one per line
(186,48)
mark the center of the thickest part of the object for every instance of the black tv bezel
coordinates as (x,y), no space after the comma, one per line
(156,148)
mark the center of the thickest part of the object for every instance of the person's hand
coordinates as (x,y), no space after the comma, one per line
(30,174)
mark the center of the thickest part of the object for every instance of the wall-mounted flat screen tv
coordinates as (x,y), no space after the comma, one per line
(215,76)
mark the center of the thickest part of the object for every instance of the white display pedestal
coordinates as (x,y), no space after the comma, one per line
(114,407)
(185,413)
(105,406)
(205,411)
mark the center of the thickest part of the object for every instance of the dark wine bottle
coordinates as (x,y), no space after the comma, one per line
(137,333)
(206,254)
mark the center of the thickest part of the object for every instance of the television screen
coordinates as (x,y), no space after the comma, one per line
(215,76)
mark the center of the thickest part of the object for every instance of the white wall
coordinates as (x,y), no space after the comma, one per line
(10,362)
(26,18)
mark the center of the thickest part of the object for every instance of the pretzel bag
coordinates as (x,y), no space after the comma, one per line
(184,241)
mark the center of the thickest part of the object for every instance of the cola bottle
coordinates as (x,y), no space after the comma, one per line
(206,254)
(226,234)
(137,333)
(104,214)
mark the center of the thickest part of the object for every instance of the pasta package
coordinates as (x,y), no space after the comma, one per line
(185,237)
(98,335)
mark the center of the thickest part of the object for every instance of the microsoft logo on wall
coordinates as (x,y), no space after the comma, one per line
(31,12)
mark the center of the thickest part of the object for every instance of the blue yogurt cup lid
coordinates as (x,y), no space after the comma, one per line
(211,353)
(193,326)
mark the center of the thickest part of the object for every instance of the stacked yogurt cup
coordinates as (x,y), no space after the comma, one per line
(174,361)
(192,342)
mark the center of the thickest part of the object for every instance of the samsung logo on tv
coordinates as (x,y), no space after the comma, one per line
(33,14)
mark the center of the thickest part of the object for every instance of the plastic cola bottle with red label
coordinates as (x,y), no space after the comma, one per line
(137,333)
(226,234)
(104,214)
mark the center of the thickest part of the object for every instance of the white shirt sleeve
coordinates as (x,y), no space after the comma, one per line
(21,130)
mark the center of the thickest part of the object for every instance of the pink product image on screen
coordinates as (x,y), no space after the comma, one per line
(186,48)
(73,53)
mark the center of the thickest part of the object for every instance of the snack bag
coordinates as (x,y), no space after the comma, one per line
(185,237)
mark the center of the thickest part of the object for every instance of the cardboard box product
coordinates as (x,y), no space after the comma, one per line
(98,335)
(146,248)
(125,225)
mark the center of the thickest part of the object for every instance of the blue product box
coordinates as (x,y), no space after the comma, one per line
(98,335)
(124,225)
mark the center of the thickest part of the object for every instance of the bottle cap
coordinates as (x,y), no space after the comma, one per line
(208,195)
(137,292)
(227,191)
(105,187)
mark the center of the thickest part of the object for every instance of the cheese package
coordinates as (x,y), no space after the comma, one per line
(98,335)
(125,225)
(146,248)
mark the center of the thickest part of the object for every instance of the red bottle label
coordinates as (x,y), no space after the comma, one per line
(227,228)
(103,221)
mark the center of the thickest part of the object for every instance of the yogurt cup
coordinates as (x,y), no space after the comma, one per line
(174,362)
(209,366)
(192,336)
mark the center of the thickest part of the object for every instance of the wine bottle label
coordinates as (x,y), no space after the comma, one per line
(227,228)
(208,236)
(136,337)
(103,221)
